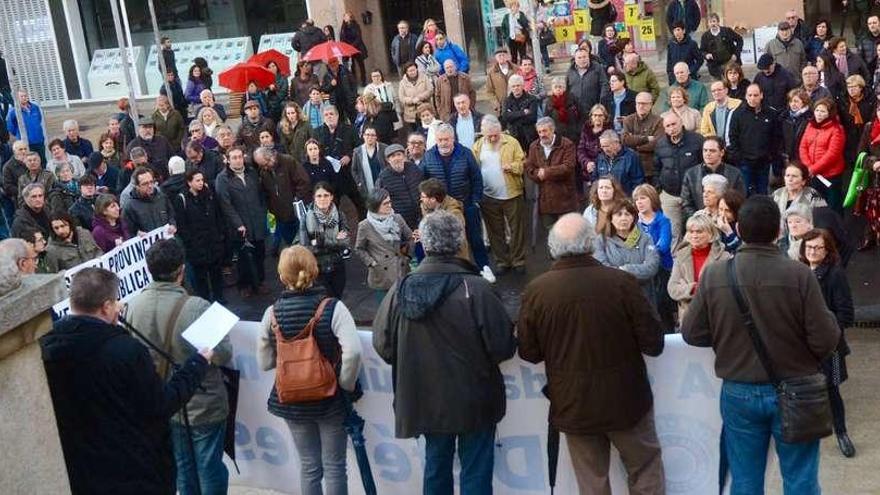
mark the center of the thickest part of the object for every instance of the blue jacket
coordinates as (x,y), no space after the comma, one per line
(33,122)
(462,177)
(625,167)
(660,231)
(455,53)
(686,51)
(689,15)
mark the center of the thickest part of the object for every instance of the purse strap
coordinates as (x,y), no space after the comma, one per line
(306,331)
(760,348)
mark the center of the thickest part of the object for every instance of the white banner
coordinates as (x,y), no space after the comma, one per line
(686,409)
(127,260)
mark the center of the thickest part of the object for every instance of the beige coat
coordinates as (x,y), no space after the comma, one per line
(414,94)
(681,281)
(496,83)
(443,94)
(385,261)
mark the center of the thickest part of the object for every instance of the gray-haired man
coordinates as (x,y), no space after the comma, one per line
(445,331)
(568,331)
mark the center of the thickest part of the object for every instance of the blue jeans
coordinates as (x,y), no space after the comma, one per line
(750,418)
(474,231)
(321,445)
(756,177)
(476,451)
(208,445)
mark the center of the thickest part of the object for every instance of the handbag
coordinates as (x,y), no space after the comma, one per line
(802,402)
(858,182)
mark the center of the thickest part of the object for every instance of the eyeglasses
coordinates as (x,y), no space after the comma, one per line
(814,248)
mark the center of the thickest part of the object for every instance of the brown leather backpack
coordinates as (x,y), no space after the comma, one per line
(302,373)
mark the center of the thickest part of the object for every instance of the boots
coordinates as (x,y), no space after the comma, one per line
(846,446)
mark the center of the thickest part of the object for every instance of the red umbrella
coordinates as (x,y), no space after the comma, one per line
(329,49)
(237,77)
(272,55)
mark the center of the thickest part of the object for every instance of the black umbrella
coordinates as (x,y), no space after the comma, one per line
(552,447)
(354,426)
(231,379)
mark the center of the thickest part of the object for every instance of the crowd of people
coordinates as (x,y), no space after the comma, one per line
(661,188)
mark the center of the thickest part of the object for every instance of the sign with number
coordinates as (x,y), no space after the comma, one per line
(646,30)
(581,20)
(565,33)
(631,14)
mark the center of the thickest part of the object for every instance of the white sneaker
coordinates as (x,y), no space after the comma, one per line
(488,275)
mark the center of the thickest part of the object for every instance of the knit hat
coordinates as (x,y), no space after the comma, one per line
(765,61)
(392,149)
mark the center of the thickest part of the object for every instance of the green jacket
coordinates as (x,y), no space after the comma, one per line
(149,312)
(643,79)
(63,255)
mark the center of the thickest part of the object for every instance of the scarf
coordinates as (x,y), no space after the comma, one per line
(385,225)
(558,102)
(365,165)
(875,131)
(529,80)
(328,220)
(854,109)
(798,113)
(632,240)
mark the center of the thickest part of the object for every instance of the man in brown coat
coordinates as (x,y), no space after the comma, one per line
(283,181)
(550,164)
(591,341)
(433,197)
(497,76)
(641,130)
(451,83)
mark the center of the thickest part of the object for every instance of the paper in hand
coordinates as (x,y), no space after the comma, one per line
(337,165)
(210,328)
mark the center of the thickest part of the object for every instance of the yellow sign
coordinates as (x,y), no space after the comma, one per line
(565,33)
(631,14)
(581,20)
(646,30)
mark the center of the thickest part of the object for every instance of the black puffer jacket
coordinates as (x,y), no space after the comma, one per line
(112,408)
(793,127)
(444,331)
(519,116)
(671,160)
(403,188)
(200,225)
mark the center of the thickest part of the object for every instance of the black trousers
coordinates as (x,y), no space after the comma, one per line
(838,413)
(358,70)
(251,264)
(517,50)
(208,281)
(334,280)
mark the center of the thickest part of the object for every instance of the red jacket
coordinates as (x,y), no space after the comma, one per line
(821,148)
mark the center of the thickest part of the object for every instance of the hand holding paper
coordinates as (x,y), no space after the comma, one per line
(210,328)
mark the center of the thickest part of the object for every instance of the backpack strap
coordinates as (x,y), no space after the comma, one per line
(170,325)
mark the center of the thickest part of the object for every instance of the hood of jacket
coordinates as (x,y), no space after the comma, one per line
(422,291)
(77,338)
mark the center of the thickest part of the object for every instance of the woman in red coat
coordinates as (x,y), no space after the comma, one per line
(821,150)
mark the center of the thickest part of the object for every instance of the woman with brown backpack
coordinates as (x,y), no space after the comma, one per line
(312,342)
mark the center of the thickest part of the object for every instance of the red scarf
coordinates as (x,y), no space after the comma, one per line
(875,131)
(558,103)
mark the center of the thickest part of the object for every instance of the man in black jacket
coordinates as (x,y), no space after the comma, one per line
(755,138)
(111,406)
(337,140)
(587,84)
(674,154)
(307,37)
(775,81)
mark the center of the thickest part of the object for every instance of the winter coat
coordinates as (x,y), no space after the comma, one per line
(707,123)
(522,25)
(243,204)
(443,94)
(672,160)
(145,214)
(754,135)
(510,152)
(692,185)
(852,130)
(727,44)
(105,235)
(403,188)
(698,97)
(592,352)
(776,86)
(786,303)
(12,171)
(463,179)
(689,15)
(420,330)
(200,225)
(62,255)
(284,184)
(454,207)
(110,179)
(821,148)
(44,177)
(660,230)
(452,52)
(519,116)
(299,88)
(387,261)
(685,51)
(410,42)
(60,197)
(306,38)
(868,50)
(412,95)
(276,98)
(359,165)
(32,116)
(602,12)
(681,284)
(557,192)
(571,128)
(249,132)
(172,127)
(351,33)
(690,117)
(177,98)
(210,166)
(838,297)
(343,94)
(76,164)
(496,83)
(322,239)
(789,54)
(793,127)
(194,88)
(641,260)
(624,167)
(83,210)
(587,89)
(149,312)
(81,148)
(294,143)
(112,408)
(643,79)
(159,151)
(476,120)
(635,136)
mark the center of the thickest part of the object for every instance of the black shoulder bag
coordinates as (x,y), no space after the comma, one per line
(804,409)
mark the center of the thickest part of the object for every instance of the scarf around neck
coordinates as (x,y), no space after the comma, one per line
(854,110)
(385,225)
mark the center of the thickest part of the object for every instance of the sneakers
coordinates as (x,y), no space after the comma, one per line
(488,275)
